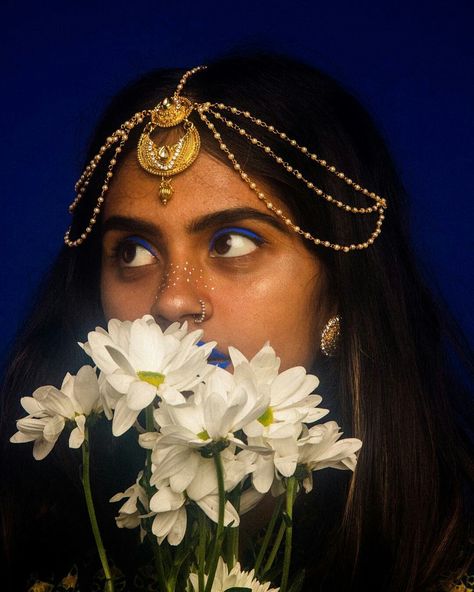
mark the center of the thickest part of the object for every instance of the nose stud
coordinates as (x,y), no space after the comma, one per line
(199,318)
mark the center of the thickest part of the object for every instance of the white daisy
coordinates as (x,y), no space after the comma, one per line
(50,408)
(235,578)
(129,513)
(139,361)
(320,447)
(218,409)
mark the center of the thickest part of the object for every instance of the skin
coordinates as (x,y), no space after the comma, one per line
(266,292)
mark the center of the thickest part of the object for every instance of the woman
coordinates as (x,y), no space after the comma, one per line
(203,245)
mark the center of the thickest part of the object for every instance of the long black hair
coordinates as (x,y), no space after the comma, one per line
(404,521)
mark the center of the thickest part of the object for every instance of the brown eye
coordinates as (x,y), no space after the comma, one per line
(128,252)
(133,254)
(234,243)
(223,244)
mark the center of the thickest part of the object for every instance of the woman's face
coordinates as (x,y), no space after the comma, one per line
(213,242)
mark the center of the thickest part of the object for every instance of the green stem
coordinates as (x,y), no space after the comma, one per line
(274,551)
(220,522)
(201,549)
(290,499)
(149,428)
(268,534)
(232,536)
(86,484)
(163,584)
(157,555)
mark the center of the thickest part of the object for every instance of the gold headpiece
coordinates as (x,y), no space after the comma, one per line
(168,160)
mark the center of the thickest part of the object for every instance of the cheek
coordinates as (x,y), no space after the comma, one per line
(279,308)
(126,301)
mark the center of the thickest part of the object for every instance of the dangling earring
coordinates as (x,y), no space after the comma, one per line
(330,336)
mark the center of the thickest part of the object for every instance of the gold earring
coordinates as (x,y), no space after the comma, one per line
(330,336)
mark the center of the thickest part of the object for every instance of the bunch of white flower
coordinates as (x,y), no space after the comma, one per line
(217,441)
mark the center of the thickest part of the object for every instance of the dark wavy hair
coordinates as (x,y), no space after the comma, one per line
(403,522)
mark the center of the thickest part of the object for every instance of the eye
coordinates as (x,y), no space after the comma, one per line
(135,252)
(234,242)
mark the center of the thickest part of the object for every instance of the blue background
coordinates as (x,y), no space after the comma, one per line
(410,63)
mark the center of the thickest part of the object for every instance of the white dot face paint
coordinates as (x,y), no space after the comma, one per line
(185,273)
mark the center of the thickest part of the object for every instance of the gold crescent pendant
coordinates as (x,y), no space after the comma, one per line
(169,160)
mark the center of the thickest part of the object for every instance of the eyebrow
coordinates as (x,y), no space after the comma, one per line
(228,216)
(129,224)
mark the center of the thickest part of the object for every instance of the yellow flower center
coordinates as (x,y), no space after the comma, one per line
(153,378)
(203,435)
(266,418)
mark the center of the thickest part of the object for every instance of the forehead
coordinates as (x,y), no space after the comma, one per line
(207,185)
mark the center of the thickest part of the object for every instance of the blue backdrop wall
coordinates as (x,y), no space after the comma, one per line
(410,62)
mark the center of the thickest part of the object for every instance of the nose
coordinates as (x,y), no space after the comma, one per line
(183,295)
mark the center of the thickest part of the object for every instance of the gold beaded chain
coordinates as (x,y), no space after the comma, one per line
(120,136)
(379,207)
(204,110)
